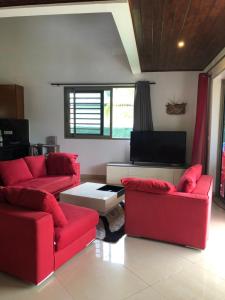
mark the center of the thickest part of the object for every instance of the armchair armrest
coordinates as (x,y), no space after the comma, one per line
(27,243)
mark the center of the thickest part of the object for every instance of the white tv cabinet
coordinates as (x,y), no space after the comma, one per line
(116,171)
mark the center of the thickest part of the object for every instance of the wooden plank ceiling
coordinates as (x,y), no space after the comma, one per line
(160,24)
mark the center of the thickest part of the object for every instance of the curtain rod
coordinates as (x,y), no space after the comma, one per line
(97,84)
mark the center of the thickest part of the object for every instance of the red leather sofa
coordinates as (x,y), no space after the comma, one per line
(38,234)
(57,172)
(158,210)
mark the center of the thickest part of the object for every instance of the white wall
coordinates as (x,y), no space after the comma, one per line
(35,51)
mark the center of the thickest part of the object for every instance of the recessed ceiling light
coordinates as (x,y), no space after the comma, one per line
(180,44)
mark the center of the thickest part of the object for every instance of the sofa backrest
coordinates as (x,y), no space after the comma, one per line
(29,167)
(37,200)
(14,171)
(36,165)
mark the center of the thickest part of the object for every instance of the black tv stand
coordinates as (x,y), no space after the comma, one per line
(150,164)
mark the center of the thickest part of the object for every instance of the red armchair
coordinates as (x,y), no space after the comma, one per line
(168,215)
(38,234)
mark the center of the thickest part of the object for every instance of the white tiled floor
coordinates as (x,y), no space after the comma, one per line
(135,269)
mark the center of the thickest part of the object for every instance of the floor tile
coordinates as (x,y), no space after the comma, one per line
(134,269)
(151,260)
(192,283)
(15,289)
(92,277)
(146,294)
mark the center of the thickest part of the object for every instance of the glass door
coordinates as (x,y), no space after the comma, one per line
(222,162)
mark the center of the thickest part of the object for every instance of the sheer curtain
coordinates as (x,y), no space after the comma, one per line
(142,107)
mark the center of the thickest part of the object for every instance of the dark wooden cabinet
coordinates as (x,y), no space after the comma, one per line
(14,152)
(11,101)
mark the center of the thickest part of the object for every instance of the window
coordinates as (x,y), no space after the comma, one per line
(99,112)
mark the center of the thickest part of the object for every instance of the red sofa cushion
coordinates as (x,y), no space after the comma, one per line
(61,163)
(189,179)
(148,185)
(80,221)
(38,200)
(14,171)
(36,165)
(52,184)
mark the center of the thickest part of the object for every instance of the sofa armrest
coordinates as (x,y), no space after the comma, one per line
(77,170)
(27,243)
(192,197)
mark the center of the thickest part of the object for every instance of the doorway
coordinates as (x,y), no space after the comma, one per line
(222,148)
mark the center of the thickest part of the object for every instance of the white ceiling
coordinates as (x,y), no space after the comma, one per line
(119,10)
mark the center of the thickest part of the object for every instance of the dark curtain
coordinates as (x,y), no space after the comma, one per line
(199,149)
(142,107)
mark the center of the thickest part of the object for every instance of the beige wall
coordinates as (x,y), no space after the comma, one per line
(83,48)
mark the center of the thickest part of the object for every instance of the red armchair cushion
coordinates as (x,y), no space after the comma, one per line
(14,171)
(38,200)
(36,165)
(80,221)
(61,163)
(189,179)
(148,185)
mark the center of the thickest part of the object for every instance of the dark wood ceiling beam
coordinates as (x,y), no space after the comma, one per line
(200,23)
(136,14)
(193,32)
(216,41)
(7,3)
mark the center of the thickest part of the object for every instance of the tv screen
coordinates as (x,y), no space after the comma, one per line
(159,147)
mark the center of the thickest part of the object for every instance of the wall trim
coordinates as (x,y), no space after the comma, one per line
(216,66)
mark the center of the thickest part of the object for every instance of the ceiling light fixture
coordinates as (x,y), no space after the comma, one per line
(180,44)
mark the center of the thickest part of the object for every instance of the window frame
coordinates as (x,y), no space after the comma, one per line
(91,89)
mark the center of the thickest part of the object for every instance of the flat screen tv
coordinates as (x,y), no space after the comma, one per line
(158,147)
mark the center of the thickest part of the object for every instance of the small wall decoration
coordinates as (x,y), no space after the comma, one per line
(175,108)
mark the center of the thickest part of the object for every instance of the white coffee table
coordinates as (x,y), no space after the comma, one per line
(88,195)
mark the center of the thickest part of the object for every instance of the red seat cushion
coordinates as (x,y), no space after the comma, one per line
(14,171)
(61,163)
(37,200)
(189,179)
(52,184)
(148,185)
(80,221)
(36,165)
